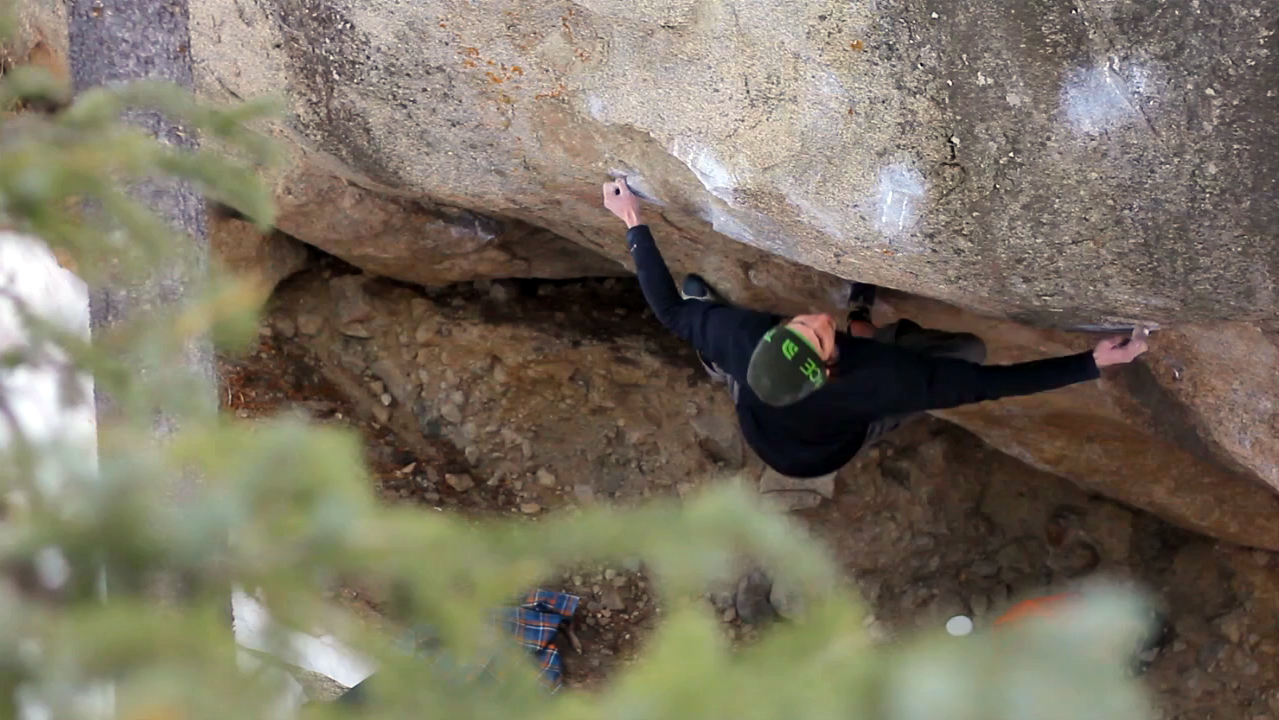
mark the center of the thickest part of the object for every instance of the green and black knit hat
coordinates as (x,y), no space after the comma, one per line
(785,368)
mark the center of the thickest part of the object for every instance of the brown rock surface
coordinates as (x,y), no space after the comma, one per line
(266,257)
(415,240)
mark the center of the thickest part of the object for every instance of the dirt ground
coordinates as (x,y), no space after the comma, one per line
(525,398)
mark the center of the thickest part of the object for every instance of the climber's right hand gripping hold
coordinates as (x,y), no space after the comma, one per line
(623,203)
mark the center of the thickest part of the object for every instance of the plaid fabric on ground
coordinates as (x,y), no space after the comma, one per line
(534,624)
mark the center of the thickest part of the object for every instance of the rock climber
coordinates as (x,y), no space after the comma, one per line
(809,394)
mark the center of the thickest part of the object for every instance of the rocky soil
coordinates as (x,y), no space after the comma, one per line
(525,398)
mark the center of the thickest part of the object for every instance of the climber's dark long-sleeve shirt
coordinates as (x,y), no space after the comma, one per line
(870,380)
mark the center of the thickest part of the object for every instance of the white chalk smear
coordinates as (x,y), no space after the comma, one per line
(830,223)
(902,191)
(713,174)
(595,106)
(638,185)
(751,228)
(1099,98)
(725,224)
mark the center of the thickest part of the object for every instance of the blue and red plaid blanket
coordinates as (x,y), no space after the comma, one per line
(534,623)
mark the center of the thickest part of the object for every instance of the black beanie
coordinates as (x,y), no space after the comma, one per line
(785,368)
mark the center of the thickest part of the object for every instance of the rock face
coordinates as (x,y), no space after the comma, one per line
(1061,164)
(1064,162)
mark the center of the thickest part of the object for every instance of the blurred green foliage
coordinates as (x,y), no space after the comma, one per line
(296,502)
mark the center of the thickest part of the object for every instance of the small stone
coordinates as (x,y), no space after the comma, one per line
(502,292)
(584,494)
(530,508)
(356,330)
(786,600)
(612,599)
(729,615)
(790,500)
(979,603)
(947,604)
(545,478)
(431,497)
(472,455)
(386,399)
(310,323)
(609,574)
(577,580)
(593,606)
(422,334)
(984,568)
(719,437)
(772,481)
(381,414)
(499,374)
(418,307)
(286,327)
(451,413)
(1233,625)
(461,483)
(349,299)
(879,632)
(619,581)
(242,413)
(751,599)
